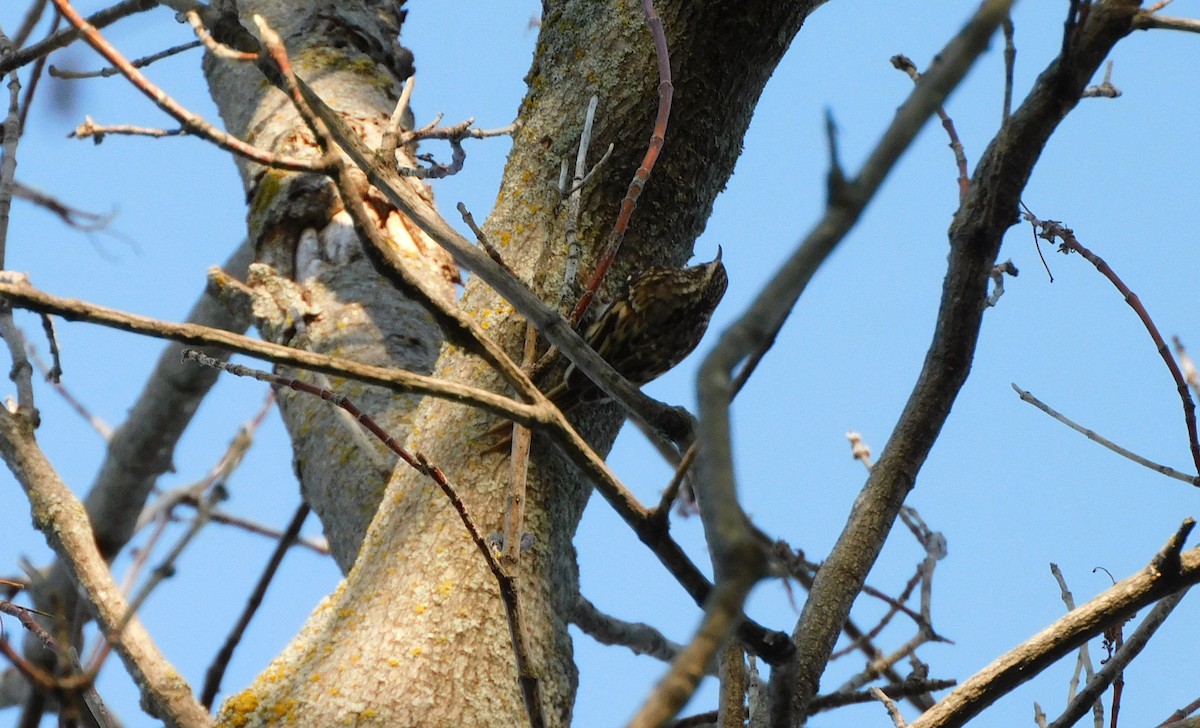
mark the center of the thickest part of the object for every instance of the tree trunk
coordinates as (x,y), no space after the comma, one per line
(416,634)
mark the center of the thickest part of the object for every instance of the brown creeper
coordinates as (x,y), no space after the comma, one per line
(659,322)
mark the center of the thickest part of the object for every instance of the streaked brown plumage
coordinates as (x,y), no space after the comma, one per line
(643,335)
(660,321)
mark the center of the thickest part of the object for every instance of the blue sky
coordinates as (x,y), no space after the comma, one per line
(1010,489)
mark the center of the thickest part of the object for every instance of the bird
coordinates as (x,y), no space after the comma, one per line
(644,334)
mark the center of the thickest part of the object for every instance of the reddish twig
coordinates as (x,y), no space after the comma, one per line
(1182,713)
(666,91)
(895,605)
(1051,229)
(904,63)
(482,238)
(316,545)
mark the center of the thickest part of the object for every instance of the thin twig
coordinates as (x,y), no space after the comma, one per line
(904,63)
(89,129)
(1100,439)
(110,71)
(73,217)
(583,182)
(192,122)
(454,134)
(240,444)
(61,39)
(482,238)
(212,677)
(32,17)
(97,423)
(666,91)
(54,373)
(817,630)
(671,492)
(1026,661)
(641,638)
(1148,21)
(316,545)
(35,73)
(1010,64)
(1083,663)
(893,711)
(1052,229)
(904,689)
(11,133)
(22,295)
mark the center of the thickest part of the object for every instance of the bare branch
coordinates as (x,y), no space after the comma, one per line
(1149,21)
(10,133)
(723,519)
(666,91)
(1112,669)
(212,677)
(893,711)
(194,123)
(1098,438)
(23,295)
(61,39)
(110,71)
(975,237)
(61,517)
(1058,639)
(641,638)
(904,63)
(1051,230)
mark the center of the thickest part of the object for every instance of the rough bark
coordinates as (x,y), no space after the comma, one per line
(416,633)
